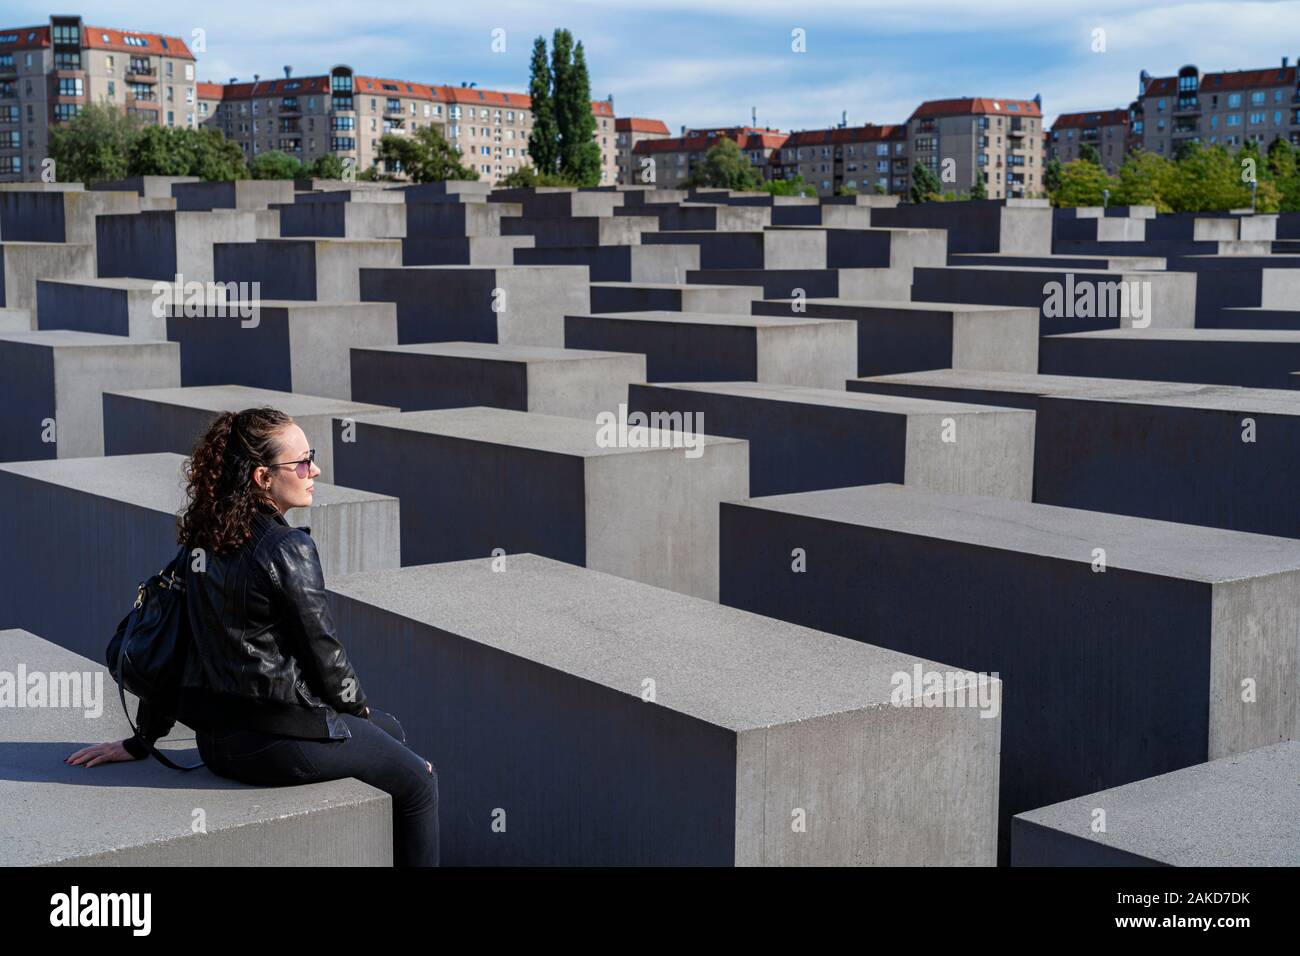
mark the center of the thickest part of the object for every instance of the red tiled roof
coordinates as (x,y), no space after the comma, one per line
(849,134)
(602,107)
(976,105)
(209,91)
(1094,118)
(102,38)
(635,124)
(1160,86)
(1248,79)
(278,87)
(379,87)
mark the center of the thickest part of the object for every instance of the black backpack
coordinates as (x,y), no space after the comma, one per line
(147,653)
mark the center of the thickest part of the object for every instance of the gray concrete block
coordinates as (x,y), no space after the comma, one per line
(911,336)
(701,216)
(768,249)
(562,203)
(115,520)
(16,320)
(1006,389)
(805,439)
(1099,263)
(146,187)
(428,220)
(526,688)
(1250,357)
(1068,301)
(672,297)
(136,308)
(477,479)
(977,226)
(527,378)
(830,216)
(343,220)
(54,381)
(324,270)
(1242,810)
(142,814)
(879,248)
(162,245)
(59,216)
(23,263)
(512,305)
(456,190)
(619,263)
(290,346)
(138,421)
(246,194)
(580,230)
(464,250)
(703,346)
(1112,676)
(894,285)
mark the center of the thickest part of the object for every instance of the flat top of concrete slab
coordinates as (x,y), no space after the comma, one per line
(1110,274)
(1028,383)
(69,338)
(550,433)
(888,304)
(1188,335)
(495,352)
(870,401)
(1279,401)
(56,812)
(112,283)
(710,318)
(298,305)
(1242,810)
(1104,262)
(221,398)
(331,240)
(701,286)
(725,666)
(153,481)
(1186,552)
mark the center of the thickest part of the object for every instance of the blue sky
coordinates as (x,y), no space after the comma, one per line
(707,62)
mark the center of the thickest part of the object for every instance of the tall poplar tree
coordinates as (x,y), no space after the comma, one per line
(543,141)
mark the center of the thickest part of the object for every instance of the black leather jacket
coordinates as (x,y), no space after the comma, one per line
(264,655)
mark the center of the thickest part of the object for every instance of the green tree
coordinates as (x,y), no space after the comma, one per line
(846,191)
(544,140)
(160,151)
(1088,153)
(94,145)
(1145,179)
(424,156)
(1052,176)
(527,177)
(326,166)
(980,189)
(1283,166)
(725,167)
(786,187)
(579,151)
(1208,179)
(879,190)
(1082,183)
(925,184)
(274,164)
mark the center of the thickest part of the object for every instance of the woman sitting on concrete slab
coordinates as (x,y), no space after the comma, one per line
(268,688)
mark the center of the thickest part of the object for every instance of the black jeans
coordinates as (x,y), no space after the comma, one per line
(376,754)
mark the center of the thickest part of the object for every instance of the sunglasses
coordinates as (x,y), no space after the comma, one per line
(302,468)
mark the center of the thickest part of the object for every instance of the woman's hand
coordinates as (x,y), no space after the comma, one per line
(99,753)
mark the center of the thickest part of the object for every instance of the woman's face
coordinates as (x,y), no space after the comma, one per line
(281,482)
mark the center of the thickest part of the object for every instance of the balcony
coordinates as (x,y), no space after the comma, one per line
(149,99)
(343,104)
(141,73)
(1187,105)
(8,69)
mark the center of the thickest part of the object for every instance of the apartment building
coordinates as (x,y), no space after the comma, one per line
(1107,131)
(628,131)
(1002,138)
(347,114)
(49,73)
(676,158)
(1229,108)
(861,158)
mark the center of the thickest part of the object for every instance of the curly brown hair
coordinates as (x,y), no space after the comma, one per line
(222,494)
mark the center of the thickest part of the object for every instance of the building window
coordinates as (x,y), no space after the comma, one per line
(70,86)
(1234,119)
